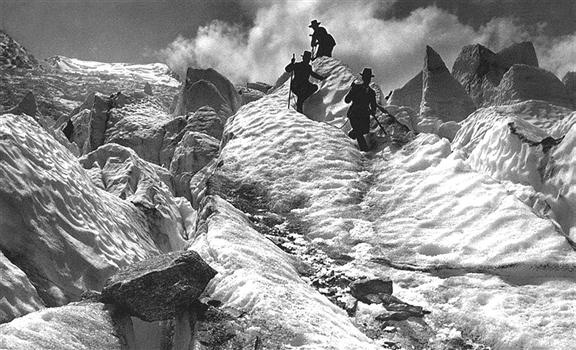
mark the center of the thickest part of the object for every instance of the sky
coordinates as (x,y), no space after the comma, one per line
(252,40)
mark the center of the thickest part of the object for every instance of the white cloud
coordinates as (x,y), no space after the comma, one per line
(394,48)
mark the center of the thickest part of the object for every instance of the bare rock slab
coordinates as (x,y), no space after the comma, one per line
(367,290)
(154,289)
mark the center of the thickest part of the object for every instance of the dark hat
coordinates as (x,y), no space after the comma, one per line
(314,23)
(367,71)
(307,54)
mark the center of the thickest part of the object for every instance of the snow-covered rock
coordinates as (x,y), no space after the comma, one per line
(260,280)
(139,127)
(442,96)
(65,233)
(121,172)
(193,152)
(78,326)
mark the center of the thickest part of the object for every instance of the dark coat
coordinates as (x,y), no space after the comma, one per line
(301,84)
(364,104)
(324,41)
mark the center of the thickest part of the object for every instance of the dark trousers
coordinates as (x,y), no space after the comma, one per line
(361,142)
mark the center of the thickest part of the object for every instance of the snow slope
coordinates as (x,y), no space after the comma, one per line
(156,73)
(419,208)
(260,280)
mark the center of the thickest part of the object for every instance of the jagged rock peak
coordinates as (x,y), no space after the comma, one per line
(520,53)
(14,54)
(442,96)
(433,61)
(481,72)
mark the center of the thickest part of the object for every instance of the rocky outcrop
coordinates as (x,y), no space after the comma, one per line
(509,76)
(65,233)
(27,106)
(442,96)
(207,87)
(201,93)
(156,289)
(78,326)
(409,95)
(12,54)
(523,82)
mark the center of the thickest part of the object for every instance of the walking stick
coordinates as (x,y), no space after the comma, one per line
(291,73)
(380,125)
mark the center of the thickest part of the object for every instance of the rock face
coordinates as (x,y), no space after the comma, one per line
(66,234)
(78,326)
(155,289)
(442,96)
(13,54)
(409,95)
(27,106)
(368,290)
(494,79)
(207,87)
(522,82)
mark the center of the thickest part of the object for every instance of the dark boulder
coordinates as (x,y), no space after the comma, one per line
(155,289)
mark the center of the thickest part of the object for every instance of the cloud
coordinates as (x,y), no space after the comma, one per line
(394,48)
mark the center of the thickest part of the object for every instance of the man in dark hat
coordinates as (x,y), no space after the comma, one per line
(301,85)
(322,39)
(363,99)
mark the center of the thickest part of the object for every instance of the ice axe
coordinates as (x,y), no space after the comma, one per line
(291,73)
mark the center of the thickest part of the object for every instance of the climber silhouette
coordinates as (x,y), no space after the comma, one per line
(322,39)
(301,85)
(363,99)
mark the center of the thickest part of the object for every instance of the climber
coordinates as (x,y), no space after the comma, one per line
(322,39)
(301,86)
(363,99)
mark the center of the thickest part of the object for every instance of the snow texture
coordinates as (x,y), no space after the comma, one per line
(259,279)
(81,326)
(421,208)
(65,233)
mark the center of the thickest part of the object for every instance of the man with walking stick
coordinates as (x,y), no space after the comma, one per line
(301,85)
(364,104)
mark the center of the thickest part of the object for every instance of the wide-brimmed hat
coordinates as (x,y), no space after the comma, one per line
(314,23)
(367,72)
(307,54)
